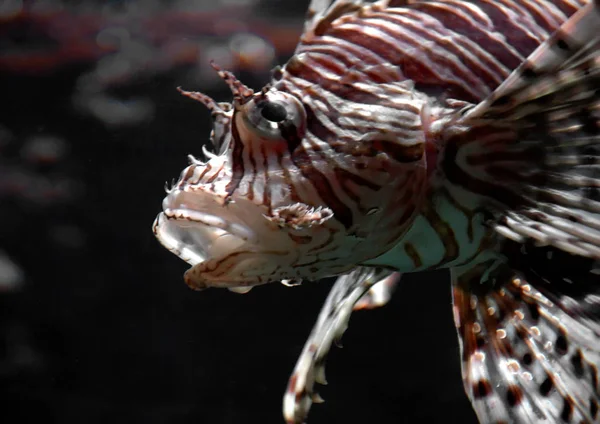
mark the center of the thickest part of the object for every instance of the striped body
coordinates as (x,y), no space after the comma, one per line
(453,52)
(359,169)
(412,135)
(454,49)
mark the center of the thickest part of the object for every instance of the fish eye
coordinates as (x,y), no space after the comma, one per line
(273,112)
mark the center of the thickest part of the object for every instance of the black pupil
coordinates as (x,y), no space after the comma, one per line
(273,112)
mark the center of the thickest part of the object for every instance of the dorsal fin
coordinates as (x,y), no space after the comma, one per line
(575,38)
(535,142)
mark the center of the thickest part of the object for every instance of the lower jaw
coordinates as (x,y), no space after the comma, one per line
(235,287)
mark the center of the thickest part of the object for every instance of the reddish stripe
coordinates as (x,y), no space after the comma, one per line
(450,45)
(479,33)
(567,7)
(456,175)
(298,69)
(341,212)
(542,15)
(315,127)
(524,43)
(266,189)
(237,162)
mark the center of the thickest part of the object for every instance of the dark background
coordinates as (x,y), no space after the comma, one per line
(97,325)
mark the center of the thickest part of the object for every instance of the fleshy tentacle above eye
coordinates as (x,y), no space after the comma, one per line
(221,114)
(241,92)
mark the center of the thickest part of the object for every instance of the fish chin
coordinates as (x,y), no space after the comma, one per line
(189,235)
(223,241)
(196,227)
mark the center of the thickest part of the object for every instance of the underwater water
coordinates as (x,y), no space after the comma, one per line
(96,323)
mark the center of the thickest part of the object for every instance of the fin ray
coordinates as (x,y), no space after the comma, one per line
(529,355)
(331,324)
(546,113)
(552,55)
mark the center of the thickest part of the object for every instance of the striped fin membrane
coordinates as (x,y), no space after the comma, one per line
(530,339)
(530,327)
(547,115)
(349,290)
(528,319)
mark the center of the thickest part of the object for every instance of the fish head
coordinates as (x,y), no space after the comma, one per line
(279,200)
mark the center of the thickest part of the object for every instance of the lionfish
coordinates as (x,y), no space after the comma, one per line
(412,135)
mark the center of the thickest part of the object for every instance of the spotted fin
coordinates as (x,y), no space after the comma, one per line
(534,144)
(529,318)
(530,340)
(331,324)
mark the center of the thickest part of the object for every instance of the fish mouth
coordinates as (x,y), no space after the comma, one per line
(187,228)
(198,236)
(233,242)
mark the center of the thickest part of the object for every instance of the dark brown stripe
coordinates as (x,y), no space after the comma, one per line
(411,67)
(315,127)
(546,386)
(454,19)
(266,191)
(348,53)
(252,171)
(288,180)
(237,161)
(341,212)
(338,141)
(519,39)
(567,410)
(350,92)
(445,233)
(481,389)
(188,174)
(449,45)
(349,181)
(514,396)
(593,408)
(214,175)
(300,239)
(413,254)
(469,214)
(458,176)
(206,170)
(370,67)
(408,206)
(565,7)
(212,179)
(292,135)
(541,16)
